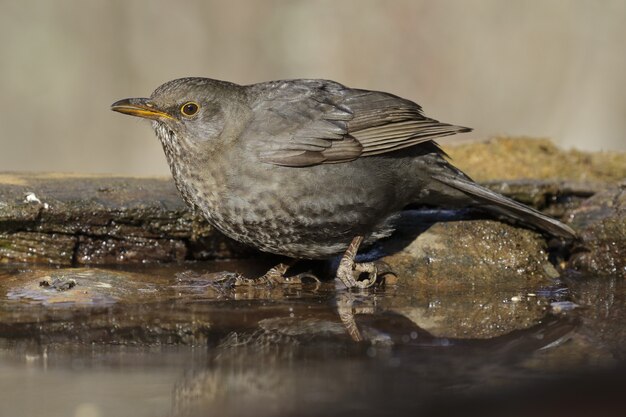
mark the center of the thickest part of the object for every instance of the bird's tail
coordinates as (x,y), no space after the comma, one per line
(501,205)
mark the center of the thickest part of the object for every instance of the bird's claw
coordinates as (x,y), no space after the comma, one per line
(346,274)
(276,276)
(348,267)
(273,277)
(372,274)
(231,279)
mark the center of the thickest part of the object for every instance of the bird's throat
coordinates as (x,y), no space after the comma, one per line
(191,175)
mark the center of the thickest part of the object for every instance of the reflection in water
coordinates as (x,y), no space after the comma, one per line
(150,343)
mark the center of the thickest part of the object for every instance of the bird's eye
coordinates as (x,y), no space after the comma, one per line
(189,109)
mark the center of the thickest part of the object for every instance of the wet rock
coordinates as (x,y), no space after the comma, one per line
(469,278)
(29,247)
(78,287)
(467,254)
(108,250)
(601,222)
(80,219)
(81,306)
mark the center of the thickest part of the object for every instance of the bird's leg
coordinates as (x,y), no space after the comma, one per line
(348,267)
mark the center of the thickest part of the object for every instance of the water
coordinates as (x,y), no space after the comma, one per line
(172,341)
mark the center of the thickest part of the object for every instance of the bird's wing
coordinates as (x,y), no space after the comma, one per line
(310,122)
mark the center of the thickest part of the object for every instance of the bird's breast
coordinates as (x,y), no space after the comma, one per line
(302,212)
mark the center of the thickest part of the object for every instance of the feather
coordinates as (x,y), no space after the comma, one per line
(308,122)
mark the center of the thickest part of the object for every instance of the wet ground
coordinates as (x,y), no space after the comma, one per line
(175,341)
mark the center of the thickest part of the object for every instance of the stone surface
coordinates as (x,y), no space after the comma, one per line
(601,221)
(467,254)
(86,220)
(468,278)
(76,220)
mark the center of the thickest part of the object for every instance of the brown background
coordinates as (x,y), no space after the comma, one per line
(550,68)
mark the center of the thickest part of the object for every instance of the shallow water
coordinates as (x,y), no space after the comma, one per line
(174,341)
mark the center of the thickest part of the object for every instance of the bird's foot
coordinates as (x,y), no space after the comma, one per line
(273,277)
(364,274)
(351,275)
(276,276)
(349,272)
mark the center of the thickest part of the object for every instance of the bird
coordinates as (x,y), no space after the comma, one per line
(311,168)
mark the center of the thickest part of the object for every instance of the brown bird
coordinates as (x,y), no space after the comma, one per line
(311,168)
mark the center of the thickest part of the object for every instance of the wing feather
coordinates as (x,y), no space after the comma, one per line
(309,122)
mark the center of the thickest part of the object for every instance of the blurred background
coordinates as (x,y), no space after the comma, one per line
(550,68)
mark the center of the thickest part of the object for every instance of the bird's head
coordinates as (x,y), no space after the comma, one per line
(188,112)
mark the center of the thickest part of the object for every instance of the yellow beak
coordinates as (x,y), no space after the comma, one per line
(140,107)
